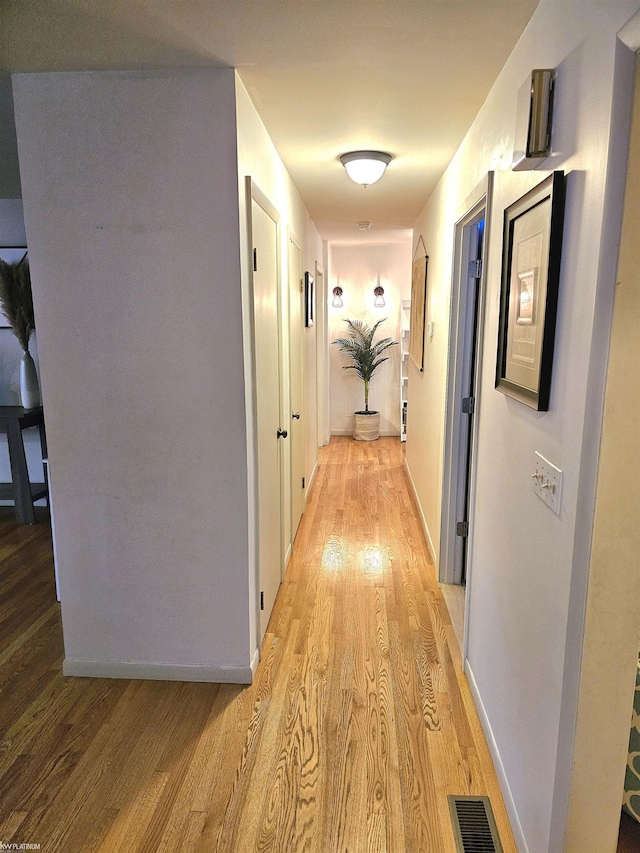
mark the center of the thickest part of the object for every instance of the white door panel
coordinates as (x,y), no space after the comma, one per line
(296,323)
(267,372)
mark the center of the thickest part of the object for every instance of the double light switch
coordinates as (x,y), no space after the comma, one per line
(547,482)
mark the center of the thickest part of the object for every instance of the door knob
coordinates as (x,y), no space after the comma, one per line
(295,415)
(282,433)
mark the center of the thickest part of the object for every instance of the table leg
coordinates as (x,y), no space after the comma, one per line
(43,448)
(25,513)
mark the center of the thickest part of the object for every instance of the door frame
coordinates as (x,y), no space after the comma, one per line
(477,202)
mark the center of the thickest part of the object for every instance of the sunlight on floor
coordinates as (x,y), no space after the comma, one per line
(376,560)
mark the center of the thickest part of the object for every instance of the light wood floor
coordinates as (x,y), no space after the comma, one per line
(358,725)
(454,596)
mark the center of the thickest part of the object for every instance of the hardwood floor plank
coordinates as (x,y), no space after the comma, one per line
(25,635)
(11,825)
(176,761)
(73,799)
(417,784)
(193,826)
(128,828)
(357,726)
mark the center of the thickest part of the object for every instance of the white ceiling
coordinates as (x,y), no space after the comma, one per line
(327,76)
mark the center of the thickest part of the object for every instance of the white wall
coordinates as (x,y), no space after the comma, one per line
(526,590)
(131,208)
(258,158)
(358,269)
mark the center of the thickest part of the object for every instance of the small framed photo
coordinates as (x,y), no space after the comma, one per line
(10,255)
(526,296)
(308,299)
(531,254)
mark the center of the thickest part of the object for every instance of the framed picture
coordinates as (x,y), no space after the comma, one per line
(10,255)
(308,299)
(532,248)
(418,310)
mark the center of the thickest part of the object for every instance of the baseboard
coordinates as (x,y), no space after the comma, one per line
(160,671)
(311,479)
(423,520)
(383,433)
(509,803)
(255,660)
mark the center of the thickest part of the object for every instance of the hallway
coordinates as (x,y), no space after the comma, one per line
(358,725)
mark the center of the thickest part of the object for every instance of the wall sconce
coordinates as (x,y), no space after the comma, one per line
(534,117)
(365,167)
(378,302)
(337,297)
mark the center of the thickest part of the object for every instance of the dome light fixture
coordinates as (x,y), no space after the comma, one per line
(365,167)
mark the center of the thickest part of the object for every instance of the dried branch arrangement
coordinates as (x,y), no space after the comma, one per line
(16,299)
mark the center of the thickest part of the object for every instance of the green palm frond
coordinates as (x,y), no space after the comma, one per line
(365,356)
(16,300)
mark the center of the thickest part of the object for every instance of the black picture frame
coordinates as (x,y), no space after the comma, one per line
(11,255)
(531,256)
(308,299)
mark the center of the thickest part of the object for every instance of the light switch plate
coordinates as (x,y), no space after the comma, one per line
(547,482)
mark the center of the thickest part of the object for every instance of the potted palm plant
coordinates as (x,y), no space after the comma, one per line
(17,303)
(365,357)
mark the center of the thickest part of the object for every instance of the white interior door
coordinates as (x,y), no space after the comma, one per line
(271,442)
(296,324)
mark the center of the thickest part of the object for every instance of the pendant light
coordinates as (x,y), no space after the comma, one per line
(378,292)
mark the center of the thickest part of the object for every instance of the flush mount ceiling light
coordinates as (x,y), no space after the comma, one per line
(364,226)
(365,167)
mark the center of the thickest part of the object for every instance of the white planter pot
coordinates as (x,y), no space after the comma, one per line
(366,427)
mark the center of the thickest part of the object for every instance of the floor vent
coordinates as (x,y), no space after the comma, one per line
(473,825)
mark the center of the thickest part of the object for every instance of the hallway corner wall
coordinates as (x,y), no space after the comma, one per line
(131,210)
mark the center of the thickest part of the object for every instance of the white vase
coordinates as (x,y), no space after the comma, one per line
(29,389)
